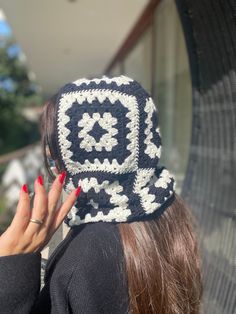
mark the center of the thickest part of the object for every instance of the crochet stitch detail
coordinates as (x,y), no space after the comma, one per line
(122,80)
(106,121)
(86,96)
(110,144)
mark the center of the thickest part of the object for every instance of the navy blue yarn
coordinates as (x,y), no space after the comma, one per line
(119,152)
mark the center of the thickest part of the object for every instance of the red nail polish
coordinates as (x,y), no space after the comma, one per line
(40,180)
(25,188)
(77,191)
(62,177)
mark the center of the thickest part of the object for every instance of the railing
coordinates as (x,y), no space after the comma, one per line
(21,166)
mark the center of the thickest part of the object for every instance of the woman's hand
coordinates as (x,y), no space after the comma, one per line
(24,236)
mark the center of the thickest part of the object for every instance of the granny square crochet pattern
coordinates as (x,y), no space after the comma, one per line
(109,141)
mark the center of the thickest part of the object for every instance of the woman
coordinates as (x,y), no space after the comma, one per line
(131,246)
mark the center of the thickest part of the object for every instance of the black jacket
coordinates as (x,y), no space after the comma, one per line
(85,274)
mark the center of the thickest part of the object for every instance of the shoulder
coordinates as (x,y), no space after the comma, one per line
(100,240)
(99,232)
(91,270)
(89,245)
(98,270)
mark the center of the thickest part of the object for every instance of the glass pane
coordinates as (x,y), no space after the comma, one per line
(138,62)
(172,90)
(116,70)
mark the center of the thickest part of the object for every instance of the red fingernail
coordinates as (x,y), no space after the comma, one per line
(77,191)
(62,177)
(40,180)
(25,188)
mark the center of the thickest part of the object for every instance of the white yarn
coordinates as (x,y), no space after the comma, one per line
(151,149)
(143,177)
(119,213)
(107,141)
(115,105)
(129,102)
(121,80)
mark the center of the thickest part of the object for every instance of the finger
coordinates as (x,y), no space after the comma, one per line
(54,197)
(23,213)
(55,192)
(64,209)
(39,210)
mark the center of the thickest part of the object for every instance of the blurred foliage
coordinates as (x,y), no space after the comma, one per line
(17,91)
(2,169)
(2,205)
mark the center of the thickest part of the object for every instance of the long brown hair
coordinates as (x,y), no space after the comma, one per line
(161,255)
(162,263)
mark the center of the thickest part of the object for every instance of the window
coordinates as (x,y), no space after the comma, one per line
(172,89)
(137,64)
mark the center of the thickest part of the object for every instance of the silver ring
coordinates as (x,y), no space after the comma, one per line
(39,222)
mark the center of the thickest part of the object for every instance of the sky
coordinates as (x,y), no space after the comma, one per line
(13,50)
(5,29)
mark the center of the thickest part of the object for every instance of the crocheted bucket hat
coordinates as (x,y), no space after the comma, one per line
(109,142)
